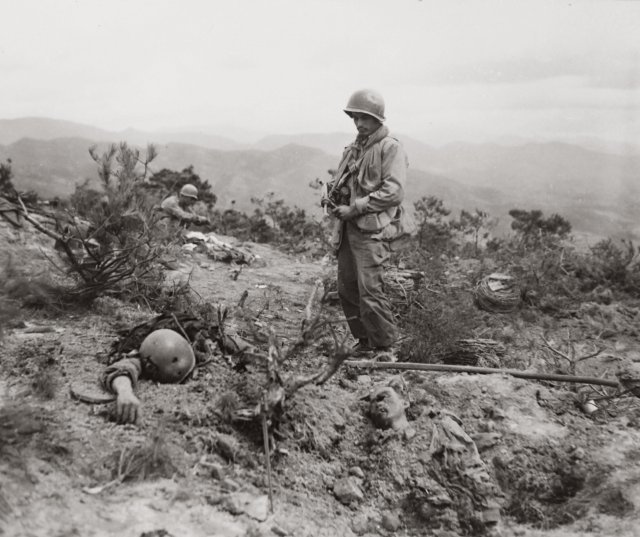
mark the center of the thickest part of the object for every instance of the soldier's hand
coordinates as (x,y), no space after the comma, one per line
(127,408)
(345,212)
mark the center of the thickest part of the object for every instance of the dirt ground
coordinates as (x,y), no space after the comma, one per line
(549,467)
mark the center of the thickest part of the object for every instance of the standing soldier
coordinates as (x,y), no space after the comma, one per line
(365,197)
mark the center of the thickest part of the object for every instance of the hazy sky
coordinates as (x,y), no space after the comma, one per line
(448,70)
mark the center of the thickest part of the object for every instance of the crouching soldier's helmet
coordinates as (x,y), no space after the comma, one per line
(189,191)
(166,356)
(366,102)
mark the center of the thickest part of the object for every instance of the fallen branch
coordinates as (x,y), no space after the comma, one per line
(36,224)
(366,364)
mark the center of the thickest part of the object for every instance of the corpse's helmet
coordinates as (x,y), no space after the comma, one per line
(366,101)
(167,356)
(189,191)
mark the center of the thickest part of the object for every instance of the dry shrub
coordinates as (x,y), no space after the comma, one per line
(20,290)
(608,265)
(9,313)
(226,406)
(149,460)
(18,423)
(435,323)
(35,362)
(110,240)
(45,382)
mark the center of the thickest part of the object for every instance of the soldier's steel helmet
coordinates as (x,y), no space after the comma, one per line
(168,355)
(366,101)
(190,191)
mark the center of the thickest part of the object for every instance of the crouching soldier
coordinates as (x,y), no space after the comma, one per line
(180,207)
(164,356)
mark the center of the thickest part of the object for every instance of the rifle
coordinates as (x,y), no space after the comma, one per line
(334,196)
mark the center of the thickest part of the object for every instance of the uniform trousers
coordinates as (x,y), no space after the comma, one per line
(361,260)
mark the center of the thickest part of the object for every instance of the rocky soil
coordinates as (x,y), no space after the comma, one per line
(547,464)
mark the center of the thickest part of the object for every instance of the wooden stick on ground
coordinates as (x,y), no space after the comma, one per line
(366,364)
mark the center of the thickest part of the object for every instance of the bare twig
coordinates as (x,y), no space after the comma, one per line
(37,224)
(267,451)
(175,319)
(593,355)
(570,357)
(556,351)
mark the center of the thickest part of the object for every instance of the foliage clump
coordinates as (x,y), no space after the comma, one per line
(609,264)
(7,187)
(274,222)
(110,238)
(437,319)
(534,231)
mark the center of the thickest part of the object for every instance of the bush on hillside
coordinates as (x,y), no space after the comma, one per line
(287,227)
(6,180)
(438,317)
(435,233)
(608,266)
(474,227)
(113,248)
(534,230)
(273,222)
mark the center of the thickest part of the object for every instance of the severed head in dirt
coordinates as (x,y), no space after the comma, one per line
(387,408)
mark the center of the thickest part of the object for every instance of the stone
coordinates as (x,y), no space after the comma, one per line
(257,507)
(491,514)
(391,521)
(347,491)
(360,525)
(485,441)
(230,484)
(356,471)
(409,433)
(217,471)
(579,453)
(440,499)
(364,380)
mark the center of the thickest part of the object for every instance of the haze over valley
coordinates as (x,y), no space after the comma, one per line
(595,190)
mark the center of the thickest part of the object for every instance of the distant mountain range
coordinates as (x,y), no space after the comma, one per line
(597,191)
(39,128)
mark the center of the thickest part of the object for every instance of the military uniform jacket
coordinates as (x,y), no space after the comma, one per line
(377,174)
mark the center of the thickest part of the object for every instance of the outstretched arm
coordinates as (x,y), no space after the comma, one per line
(121,378)
(127,404)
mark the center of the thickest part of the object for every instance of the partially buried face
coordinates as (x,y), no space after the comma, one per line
(386,408)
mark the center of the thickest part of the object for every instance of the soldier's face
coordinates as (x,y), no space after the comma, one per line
(386,407)
(365,123)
